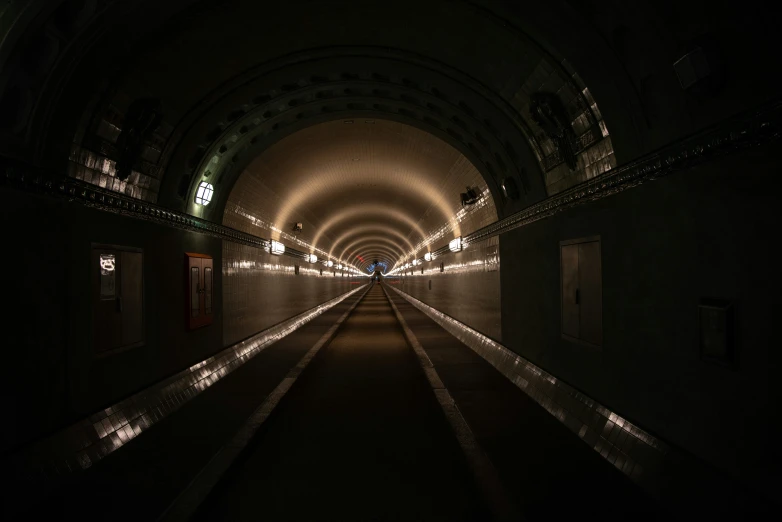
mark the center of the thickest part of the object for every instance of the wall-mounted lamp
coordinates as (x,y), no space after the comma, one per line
(204,193)
(313,258)
(330,264)
(428,256)
(455,245)
(415,262)
(339,266)
(277,248)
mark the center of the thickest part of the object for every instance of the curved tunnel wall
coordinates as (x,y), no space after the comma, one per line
(466,287)
(363,190)
(639,94)
(260,290)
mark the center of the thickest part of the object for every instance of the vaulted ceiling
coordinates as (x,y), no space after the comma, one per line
(250,97)
(363,190)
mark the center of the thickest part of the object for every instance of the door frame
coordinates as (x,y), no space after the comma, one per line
(578,241)
(120,248)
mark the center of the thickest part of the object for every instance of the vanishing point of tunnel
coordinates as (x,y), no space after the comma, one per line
(340,260)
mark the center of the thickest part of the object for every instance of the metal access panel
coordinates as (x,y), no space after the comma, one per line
(199,290)
(581,284)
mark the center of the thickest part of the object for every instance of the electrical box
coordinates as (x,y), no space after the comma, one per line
(199,290)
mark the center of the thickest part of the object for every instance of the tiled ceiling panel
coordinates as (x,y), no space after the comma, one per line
(370,188)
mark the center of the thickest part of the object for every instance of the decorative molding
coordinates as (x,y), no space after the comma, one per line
(755,128)
(75,191)
(751,129)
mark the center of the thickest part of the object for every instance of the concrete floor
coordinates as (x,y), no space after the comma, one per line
(360,436)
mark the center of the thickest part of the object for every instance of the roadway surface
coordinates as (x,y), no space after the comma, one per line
(360,436)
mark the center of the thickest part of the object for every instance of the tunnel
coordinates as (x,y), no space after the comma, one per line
(355,260)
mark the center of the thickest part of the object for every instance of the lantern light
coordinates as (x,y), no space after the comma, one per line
(204,193)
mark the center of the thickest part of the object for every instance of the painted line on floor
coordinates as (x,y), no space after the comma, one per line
(486,475)
(45,463)
(594,423)
(189,500)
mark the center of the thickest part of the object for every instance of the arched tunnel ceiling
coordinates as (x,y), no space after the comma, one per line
(235,77)
(363,189)
(421,69)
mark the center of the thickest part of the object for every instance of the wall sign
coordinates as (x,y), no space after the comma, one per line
(108,275)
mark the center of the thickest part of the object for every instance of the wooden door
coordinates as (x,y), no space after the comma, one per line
(199,289)
(590,293)
(570,291)
(131,298)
